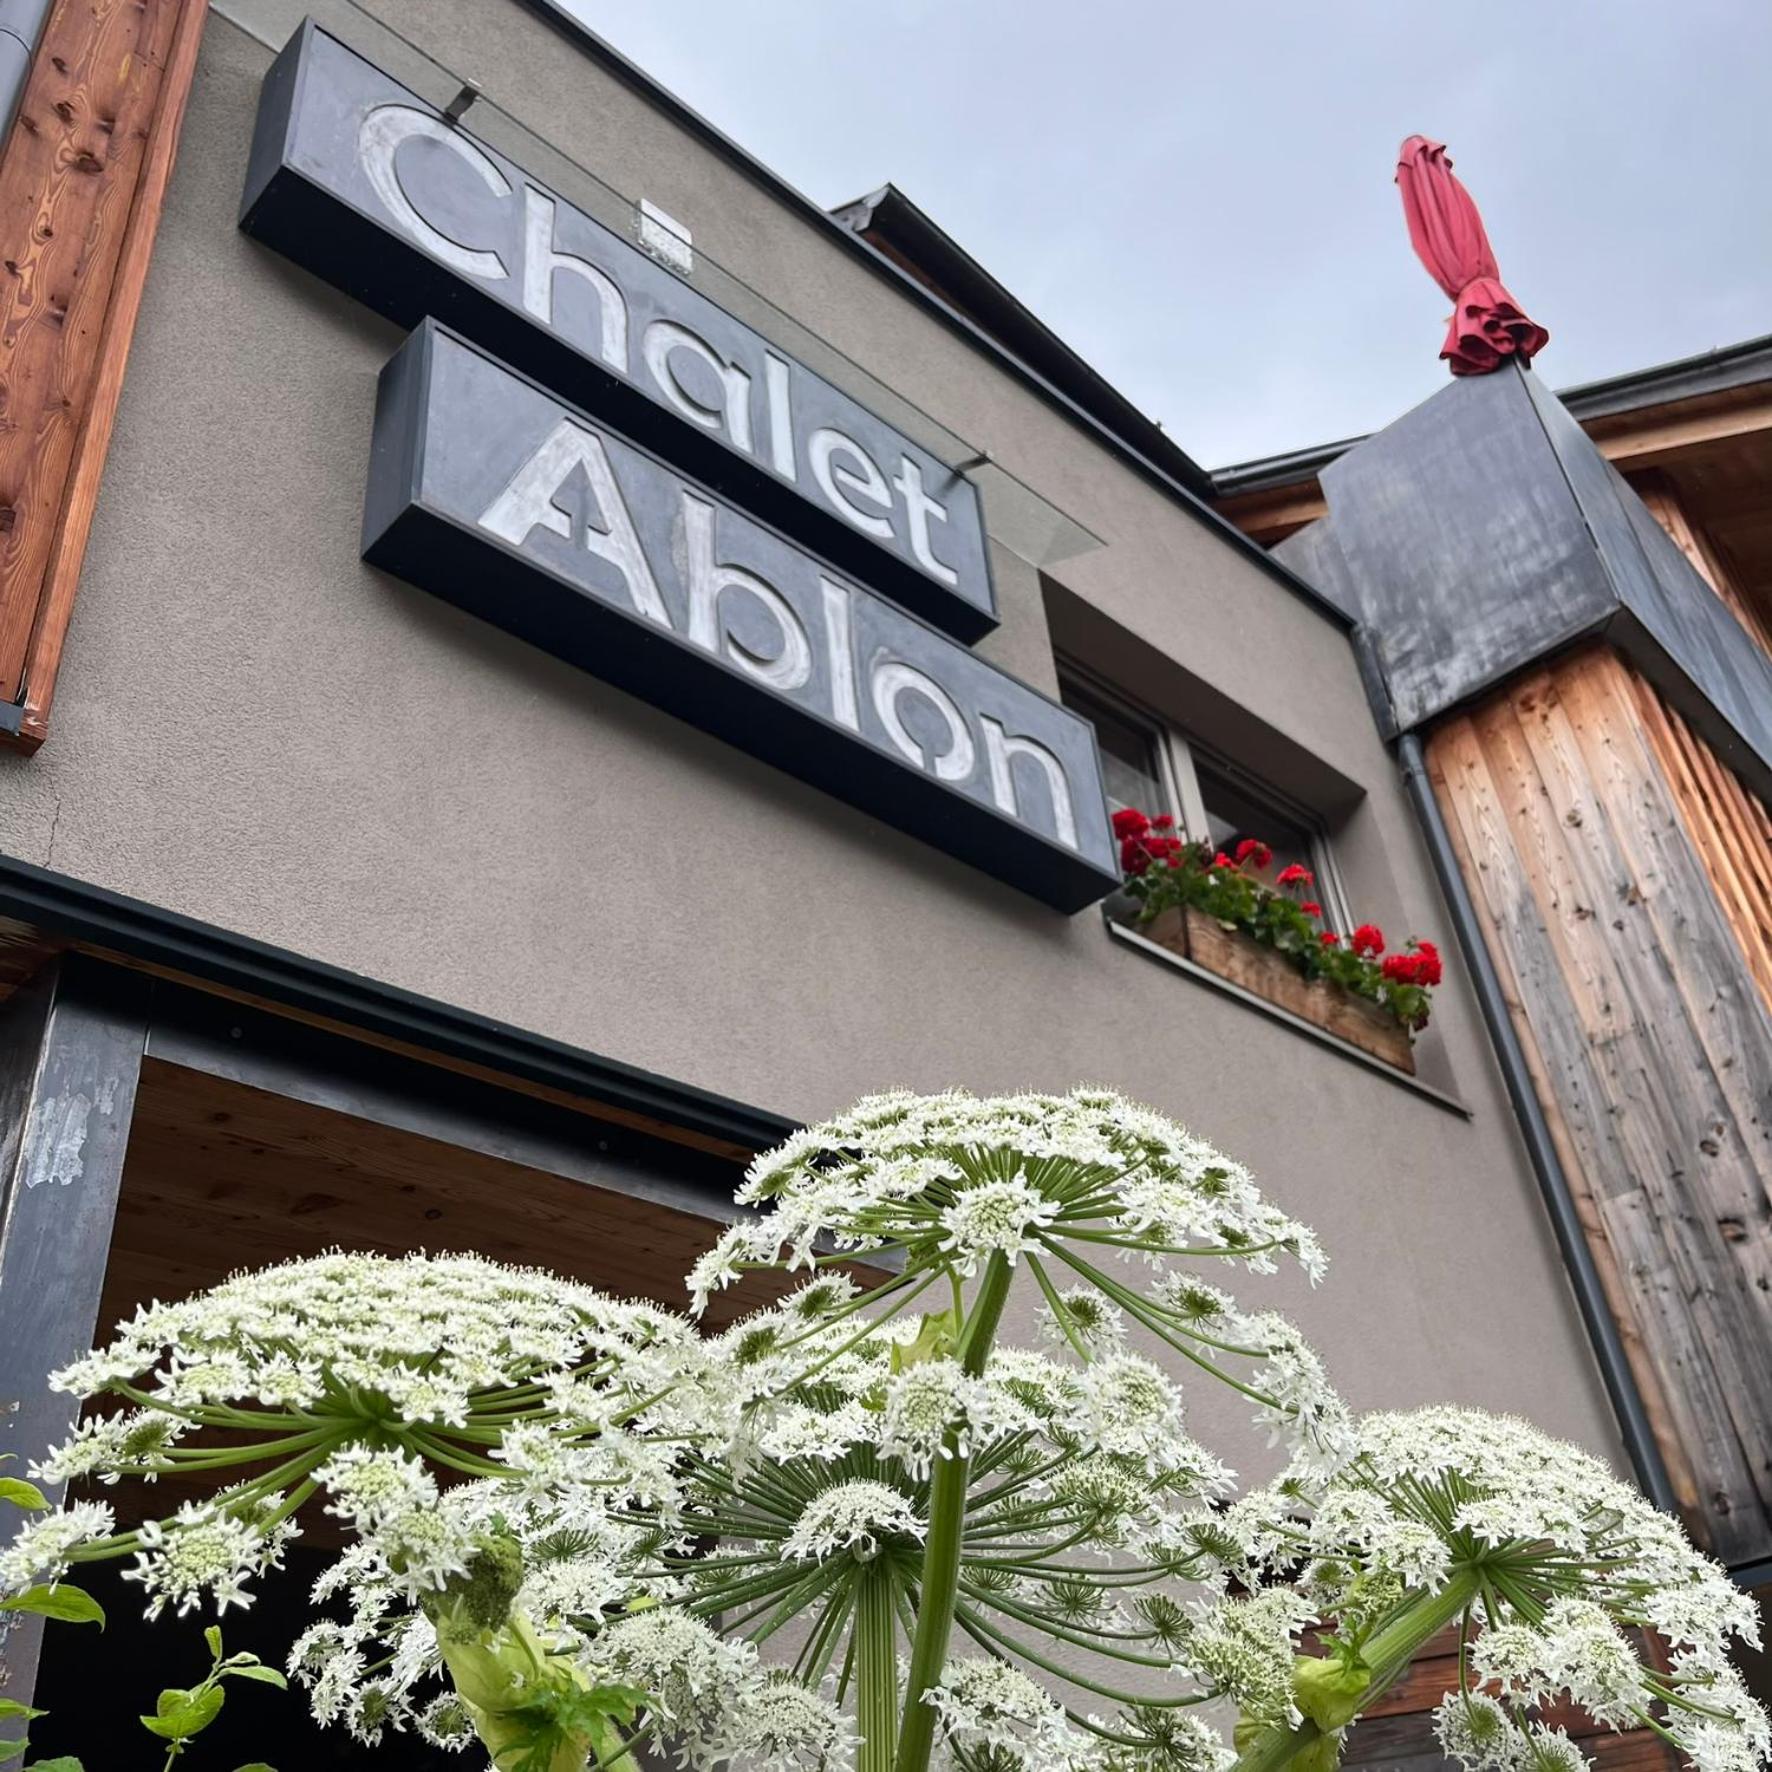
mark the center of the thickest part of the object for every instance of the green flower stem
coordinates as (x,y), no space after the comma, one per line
(876,1670)
(497,1673)
(941,1551)
(1387,1654)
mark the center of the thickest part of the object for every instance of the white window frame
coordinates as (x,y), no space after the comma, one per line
(1178,777)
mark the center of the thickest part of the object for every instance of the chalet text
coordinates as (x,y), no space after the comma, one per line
(364,183)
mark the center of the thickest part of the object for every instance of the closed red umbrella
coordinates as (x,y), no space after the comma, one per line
(1487,325)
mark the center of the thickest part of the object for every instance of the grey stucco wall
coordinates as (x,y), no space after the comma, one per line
(255,730)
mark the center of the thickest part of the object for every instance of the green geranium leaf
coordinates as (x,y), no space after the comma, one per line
(267,1675)
(64,1602)
(10,1708)
(9,1748)
(180,1715)
(22,1494)
(61,1763)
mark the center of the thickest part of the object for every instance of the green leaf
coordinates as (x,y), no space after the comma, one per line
(61,1763)
(22,1494)
(212,1636)
(265,1675)
(10,1707)
(64,1602)
(9,1748)
(256,1766)
(180,1715)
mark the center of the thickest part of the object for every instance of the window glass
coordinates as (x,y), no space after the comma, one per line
(1129,765)
(1233,813)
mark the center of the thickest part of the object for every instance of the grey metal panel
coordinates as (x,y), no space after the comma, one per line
(799,666)
(1464,547)
(361,181)
(70,1055)
(1659,586)
(1483,531)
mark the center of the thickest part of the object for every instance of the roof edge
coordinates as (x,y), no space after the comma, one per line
(1685,378)
(631,75)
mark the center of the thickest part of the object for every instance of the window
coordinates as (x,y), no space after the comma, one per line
(1131,751)
(1152,766)
(1215,800)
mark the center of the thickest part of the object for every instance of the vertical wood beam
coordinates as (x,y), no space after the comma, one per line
(82,184)
(71,1044)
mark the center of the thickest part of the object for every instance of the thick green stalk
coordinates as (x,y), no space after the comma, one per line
(940,1587)
(498,1674)
(1387,1654)
(876,1671)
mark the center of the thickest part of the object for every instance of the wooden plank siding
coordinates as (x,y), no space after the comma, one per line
(1726,823)
(1658,491)
(82,183)
(1650,1044)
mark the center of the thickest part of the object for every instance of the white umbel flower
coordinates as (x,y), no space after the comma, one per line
(994,1218)
(986,1704)
(852,1519)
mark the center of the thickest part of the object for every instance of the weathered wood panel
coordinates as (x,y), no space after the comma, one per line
(82,184)
(1651,1046)
(1661,496)
(70,1055)
(1726,823)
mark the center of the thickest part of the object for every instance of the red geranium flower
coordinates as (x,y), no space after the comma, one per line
(1367,939)
(1311,908)
(1163,822)
(1221,860)
(1329,938)
(1134,857)
(1252,849)
(1130,822)
(1294,875)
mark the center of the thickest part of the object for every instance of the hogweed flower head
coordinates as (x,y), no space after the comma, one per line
(1554,1569)
(1074,1189)
(360,1376)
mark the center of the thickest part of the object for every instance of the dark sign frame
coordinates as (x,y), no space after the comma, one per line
(692,376)
(430,467)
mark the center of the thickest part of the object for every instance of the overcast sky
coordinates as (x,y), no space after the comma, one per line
(1198,198)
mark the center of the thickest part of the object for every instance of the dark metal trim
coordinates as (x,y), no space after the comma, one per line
(80,912)
(887,218)
(692,123)
(1711,372)
(1541,1150)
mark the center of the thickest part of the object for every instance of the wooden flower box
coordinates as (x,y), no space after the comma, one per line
(1262,972)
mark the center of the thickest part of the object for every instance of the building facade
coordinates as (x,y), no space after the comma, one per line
(583,661)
